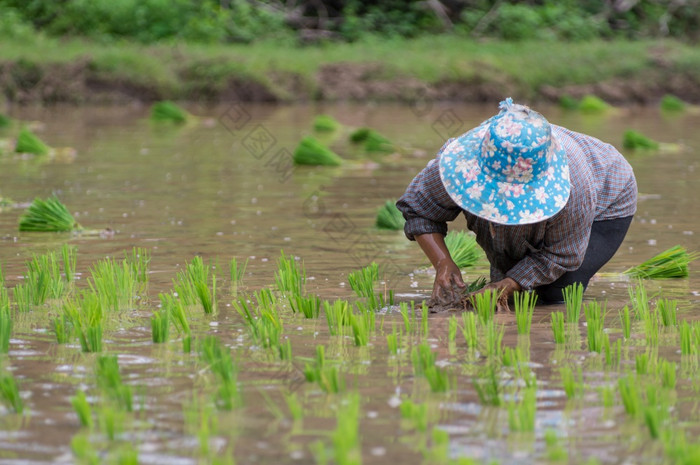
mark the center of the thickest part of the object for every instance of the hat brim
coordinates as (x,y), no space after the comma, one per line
(510,203)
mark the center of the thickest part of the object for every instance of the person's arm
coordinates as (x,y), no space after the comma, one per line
(448,286)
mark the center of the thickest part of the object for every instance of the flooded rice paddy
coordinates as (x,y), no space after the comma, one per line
(412,391)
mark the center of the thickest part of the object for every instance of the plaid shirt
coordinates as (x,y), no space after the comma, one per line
(603,187)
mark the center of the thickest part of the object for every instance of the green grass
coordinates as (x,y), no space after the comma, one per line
(671,263)
(635,140)
(311,151)
(28,142)
(48,215)
(389,217)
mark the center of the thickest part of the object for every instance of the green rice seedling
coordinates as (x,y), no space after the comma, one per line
(311,151)
(487,386)
(220,363)
(110,382)
(377,143)
(607,395)
(346,437)
(424,319)
(521,415)
(524,309)
(493,339)
(595,318)
(5,329)
(9,393)
(359,135)
(290,277)
(197,285)
(389,217)
(452,329)
(237,270)
(48,215)
(485,304)
(295,407)
(415,415)
(668,310)
(328,377)
(362,281)
(567,102)
(394,340)
(5,121)
(176,311)
(513,356)
(555,451)
(337,316)
(688,345)
(169,112)
(631,399)
(160,326)
(644,361)
(22,294)
(640,301)
(651,328)
(558,327)
(671,263)
(593,105)
(44,278)
(266,299)
(464,250)
(140,261)
(573,299)
(362,324)
(476,285)
(406,317)
(69,254)
(667,373)
(440,447)
(111,421)
(613,352)
(325,123)
(127,455)
(28,142)
(625,322)
(264,323)
(671,103)
(635,140)
(424,364)
(309,306)
(63,329)
(469,331)
(82,409)
(572,382)
(115,284)
(4,299)
(85,313)
(83,450)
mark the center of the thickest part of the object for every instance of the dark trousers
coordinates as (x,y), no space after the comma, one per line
(606,237)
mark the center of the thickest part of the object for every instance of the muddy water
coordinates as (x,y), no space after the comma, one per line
(222,188)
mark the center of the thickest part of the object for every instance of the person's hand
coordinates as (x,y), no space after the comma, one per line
(448,288)
(505,287)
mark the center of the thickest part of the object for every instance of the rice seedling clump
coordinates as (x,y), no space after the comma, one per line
(311,151)
(325,123)
(671,263)
(168,112)
(636,140)
(390,217)
(463,248)
(5,121)
(48,215)
(28,142)
(372,140)
(672,103)
(592,104)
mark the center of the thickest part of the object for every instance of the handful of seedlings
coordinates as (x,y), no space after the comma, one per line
(671,263)
(48,215)
(636,140)
(325,123)
(372,140)
(311,151)
(28,142)
(168,112)
(390,217)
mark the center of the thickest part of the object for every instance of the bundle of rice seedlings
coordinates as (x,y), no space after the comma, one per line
(636,140)
(325,123)
(5,121)
(672,103)
(593,104)
(372,140)
(312,152)
(463,248)
(28,142)
(168,112)
(48,215)
(359,135)
(568,103)
(390,217)
(671,263)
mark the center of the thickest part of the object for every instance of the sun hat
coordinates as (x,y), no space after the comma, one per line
(511,169)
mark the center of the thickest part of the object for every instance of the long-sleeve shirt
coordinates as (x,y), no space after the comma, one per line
(603,187)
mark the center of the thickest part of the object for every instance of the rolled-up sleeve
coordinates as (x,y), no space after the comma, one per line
(426,205)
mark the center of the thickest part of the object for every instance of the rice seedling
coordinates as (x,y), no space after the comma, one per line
(555,451)
(346,437)
(593,105)
(485,304)
(220,363)
(521,415)
(169,112)
(48,215)
(476,285)
(115,284)
(635,140)
(85,314)
(671,263)
(613,352)
(667,373)
(309,306)
(362,281)
(359,135)
(63,329)
(668,310)
(82,409)
(389,217)
(290,277)
(328,377)
(127,455)
(464,250)
(394,340)
(9,393)
(415,415)
(407,318)
(176,311)
(69,254)
(44,278)
(452,329)
(471,336)
(28,142)
(193,286)
(524,309)
(5,328)
(573,299)
(631,399)
(139,260)
(424,319)
(5,121)
(160,326)
(337,316)
(625,322)
(558,327)
(311,151)
(372,140)
(607,395)
(567,102)
(362,325)
(671,103)
(109,380)
(83,450)
(514,356)
(688,345)
(295,407)
(594,326)
(487,386)
(264,323)
(237,270)
(644,361)
(423,359)
(572,382)
(493,339)
(651,329)
(111,421)
(325,123)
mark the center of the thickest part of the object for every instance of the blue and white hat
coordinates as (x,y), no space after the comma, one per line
(510,169)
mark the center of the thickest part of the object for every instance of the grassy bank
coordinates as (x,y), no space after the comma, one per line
(440,67)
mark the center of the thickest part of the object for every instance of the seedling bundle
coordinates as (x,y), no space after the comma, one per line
(671,263)
(48,215)
(390,217)
(311,151)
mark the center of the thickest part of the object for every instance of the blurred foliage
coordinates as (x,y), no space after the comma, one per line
(226,21)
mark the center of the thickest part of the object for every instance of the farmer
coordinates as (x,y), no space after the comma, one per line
(548,205)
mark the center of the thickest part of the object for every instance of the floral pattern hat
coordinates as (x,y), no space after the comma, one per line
(510,169)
